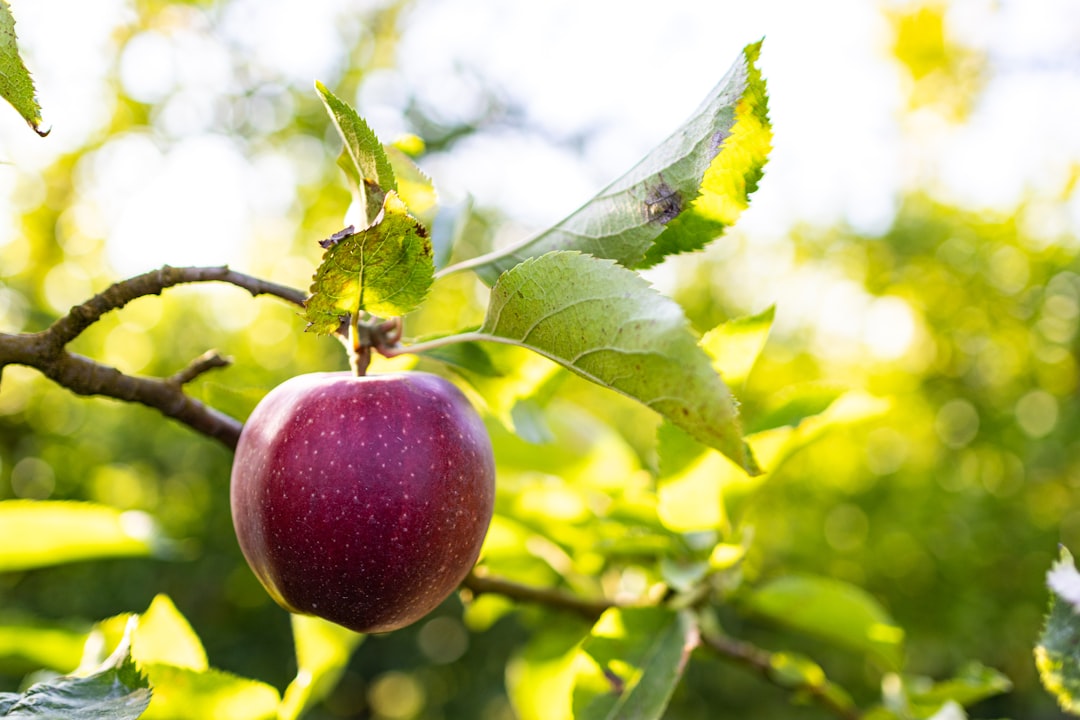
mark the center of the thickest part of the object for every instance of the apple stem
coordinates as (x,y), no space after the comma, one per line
(360,352)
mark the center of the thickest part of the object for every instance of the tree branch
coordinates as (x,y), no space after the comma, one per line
(121,293)
(485,584)
(47,351)
(204,363)
(763,662)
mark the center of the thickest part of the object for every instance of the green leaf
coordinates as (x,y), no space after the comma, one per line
(29,645)
(184,694)
(720,150)
(795,672)
(1057,654)
(792,405)
(363,158)
(606,324)
(163,635)
(540,675)
(16,85)
(166,648)
(323,650)
(735,345)
(465,356)
(972,684)
(115,690)
(413,186)
(731,177)
(384,270)
(634,658)
(37,533)
(833,610)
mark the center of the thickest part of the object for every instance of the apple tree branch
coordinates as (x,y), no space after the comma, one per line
(47,351)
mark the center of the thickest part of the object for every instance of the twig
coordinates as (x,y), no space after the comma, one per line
(121,293)
(485,584)
(204,363)
(47,351)
(763,663)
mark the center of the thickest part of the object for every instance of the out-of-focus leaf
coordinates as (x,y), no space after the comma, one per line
(163,635)
(363,158)
(718,154)
(186,694)
(800,673)
(413,187)
(1057,654)
(529,422)
(16,85)
(606,324)
(692,499)
(634,659)
(449,226)
(26,646)
(735,345)
(115,690)
(39,533)
(792,405)
(973,683)
(540,676)
(323,650)
(833,610)
(466,356)
(384,269)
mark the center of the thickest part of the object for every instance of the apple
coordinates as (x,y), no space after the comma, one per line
(363,500)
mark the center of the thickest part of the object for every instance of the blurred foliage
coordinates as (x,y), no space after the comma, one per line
(945,75)
(945,504)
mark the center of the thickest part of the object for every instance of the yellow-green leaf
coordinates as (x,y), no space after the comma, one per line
(322,652)
(16,85)
(385,269)
(163,635)
(605,323)
(833,610)
(39,533)
(363,157)
(705,170)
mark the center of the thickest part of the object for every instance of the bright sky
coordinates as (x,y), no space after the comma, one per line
(625,71)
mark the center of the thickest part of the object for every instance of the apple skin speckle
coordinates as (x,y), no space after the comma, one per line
(364,521)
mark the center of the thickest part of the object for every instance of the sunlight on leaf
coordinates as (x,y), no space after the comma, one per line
(606,324)
(323,650)
(735,345)
(973,683)
(732,176)
(540,675)
(833,610)
(16,85)
(186,694)
(634,659)
(363,158)
(163,635)
(114,690)
(29,646)
(38,533)
(1057,655)
(384,270)
(720,152)
(414,187)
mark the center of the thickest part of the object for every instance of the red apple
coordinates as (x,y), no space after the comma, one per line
(363,500)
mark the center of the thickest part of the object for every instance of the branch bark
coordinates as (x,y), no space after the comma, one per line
(486,584)
(762,662)
(47,350)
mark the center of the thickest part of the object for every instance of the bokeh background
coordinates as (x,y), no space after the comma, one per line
(917,230)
